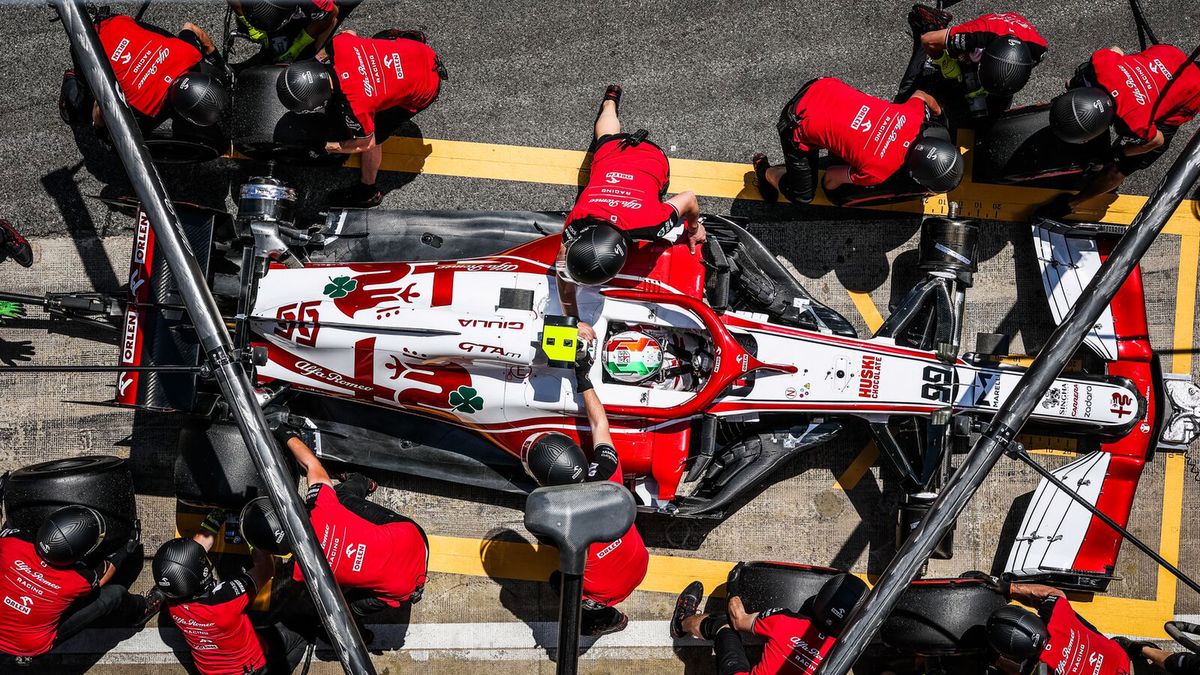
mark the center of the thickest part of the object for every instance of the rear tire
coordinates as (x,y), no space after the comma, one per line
(214,468)
(1020,148)
(767,585)
(263,129)
(102,482)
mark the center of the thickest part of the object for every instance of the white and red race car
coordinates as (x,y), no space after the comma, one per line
(414,342)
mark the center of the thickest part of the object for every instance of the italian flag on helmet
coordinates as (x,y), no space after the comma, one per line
(632,356)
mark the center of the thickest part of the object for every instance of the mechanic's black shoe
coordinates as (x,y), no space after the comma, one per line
(768,191)
(154,602)
(14,245)
(357,196)
(1055,209)
(924,18)
(603,622)
(612,93)
(368,635)
(686,605)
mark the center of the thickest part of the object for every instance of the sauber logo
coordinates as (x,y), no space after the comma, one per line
(868,376)
(25,606)
(858,119)
(1121,405)
(616,177)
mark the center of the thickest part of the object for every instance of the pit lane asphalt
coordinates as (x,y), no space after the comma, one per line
(708,80)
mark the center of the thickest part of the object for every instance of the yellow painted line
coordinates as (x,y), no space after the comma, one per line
(1185,304)
(858,468)
(732,180)
(866,307)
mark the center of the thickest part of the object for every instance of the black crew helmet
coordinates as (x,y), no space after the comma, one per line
(1005,66)
(305,85)
(838,597)
(261,526)
(199,98)
(596,254)
(268,15)
(1017,633)
(935,163)
(70,535)
(182,570)
(1081,114)
(552,458)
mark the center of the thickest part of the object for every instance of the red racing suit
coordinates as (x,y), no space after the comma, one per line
(1136,82)
(614,569)
(35,596)
(868,133)
(145,61)
(387,560)
(375,75)
(218,630)
(1075,647)
(794,646)
(626,186)
(976,34)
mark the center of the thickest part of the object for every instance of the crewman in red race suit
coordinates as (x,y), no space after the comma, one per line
(1145,97)
(52,587)
(369,88)
(160,74)
(993,55)
(290,29)
(796,644)
(869,141)
(1056,636)
(624,200)
(378,557)
(613,569)
(212,615)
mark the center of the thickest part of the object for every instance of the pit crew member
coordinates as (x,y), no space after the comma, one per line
(14,246)
(290,29)
(624,201)
(993,55)
(1145,98)
(212,615)
(1055,636)
(869,141)
(158,74)
(52,588)
(379,557)
(1172,663)
(369,87)
(796,643)
(613,569)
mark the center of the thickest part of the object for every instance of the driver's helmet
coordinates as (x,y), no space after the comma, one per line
(632,356)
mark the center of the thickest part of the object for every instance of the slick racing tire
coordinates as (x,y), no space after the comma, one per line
(214,468)
(937,617)
(263,129)
(101,482)
(767,585)
(1019,147)
(178,142)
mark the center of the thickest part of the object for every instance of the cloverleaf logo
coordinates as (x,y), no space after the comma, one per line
(339,287)
(466,400)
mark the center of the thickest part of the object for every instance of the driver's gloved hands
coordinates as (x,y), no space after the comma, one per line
(1001,585)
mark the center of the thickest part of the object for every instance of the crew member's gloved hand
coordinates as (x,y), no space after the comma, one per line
(253,33)
(302,41)
(132,545)
(999,584)
(949,66)
(605,464)
(1133,647)
(10,310)
(213,522)
(584,360)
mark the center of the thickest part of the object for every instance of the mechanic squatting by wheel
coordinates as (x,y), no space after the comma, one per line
(287,30)
(1144,97)
(161,76)
(613,569)
(379,558)
(829,114)
(212,614)
(59,562)
(991,57)
(366,108)
(624,201)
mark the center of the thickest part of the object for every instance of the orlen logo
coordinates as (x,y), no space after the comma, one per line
(614,177)
(24,607)
(858,119)
(868,376)
(358,552)
(129,344)
(608,549)
(119,55)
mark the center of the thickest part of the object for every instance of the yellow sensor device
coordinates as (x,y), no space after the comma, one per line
(560,341)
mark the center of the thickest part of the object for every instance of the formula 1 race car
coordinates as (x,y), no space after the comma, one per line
(425,343)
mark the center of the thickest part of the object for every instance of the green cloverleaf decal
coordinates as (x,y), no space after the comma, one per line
(466,400)
(339,287)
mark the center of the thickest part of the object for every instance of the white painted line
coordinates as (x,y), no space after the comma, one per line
(476,641)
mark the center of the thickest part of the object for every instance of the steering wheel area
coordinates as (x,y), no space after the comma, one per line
(1183,633)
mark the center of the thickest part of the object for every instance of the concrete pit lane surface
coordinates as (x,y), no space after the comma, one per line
(707,79)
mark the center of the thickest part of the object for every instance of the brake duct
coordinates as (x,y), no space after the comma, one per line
(228,371)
